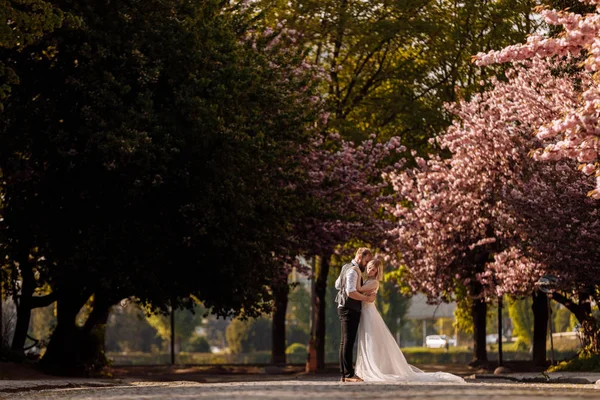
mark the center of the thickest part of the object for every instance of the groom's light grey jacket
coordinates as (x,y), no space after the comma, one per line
(345,284)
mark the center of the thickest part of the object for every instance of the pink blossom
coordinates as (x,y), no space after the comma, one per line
(491,215)
(588,169)
(582,35)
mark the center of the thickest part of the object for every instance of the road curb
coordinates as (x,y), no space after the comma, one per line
(492,376)
(540,379)
(61,385)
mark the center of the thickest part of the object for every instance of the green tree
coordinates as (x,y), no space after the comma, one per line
(298,316)
(393,64)
(392,304)
(198,344)
(24,24)
(186,323)
(561,318)
(445,326)
(127,330)
(145,148)
(574,6)
(247,336)
(522,318)
(492,317)
(463,318)
(215,331)
(238,336)
(27,21)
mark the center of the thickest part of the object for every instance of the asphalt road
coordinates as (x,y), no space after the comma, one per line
(317,389)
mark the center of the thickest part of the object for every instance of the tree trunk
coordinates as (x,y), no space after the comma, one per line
(24,305)
(73,350)
(583,312)
(316,344)
(1,317)
(63,356)
(280,298)
(479,312)
(93,356)
(589,324)
(321,290)
(540,327)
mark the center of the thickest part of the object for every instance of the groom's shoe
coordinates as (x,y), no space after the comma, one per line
(354,379)
(343,379)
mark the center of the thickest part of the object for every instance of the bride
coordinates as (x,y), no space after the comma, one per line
(379,358)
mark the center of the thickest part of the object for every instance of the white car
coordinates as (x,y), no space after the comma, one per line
(492,338)
(438,341)
(451,341)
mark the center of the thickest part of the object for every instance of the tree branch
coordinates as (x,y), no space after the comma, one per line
(568,303)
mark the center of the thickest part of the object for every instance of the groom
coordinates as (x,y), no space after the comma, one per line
(349,307)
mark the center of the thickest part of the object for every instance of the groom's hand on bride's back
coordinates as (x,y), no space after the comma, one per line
(371,297)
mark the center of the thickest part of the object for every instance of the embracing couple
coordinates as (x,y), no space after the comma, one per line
(379,358)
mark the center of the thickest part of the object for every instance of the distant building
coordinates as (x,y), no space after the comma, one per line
(420,310)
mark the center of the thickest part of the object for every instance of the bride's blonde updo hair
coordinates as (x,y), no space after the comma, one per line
(377,264)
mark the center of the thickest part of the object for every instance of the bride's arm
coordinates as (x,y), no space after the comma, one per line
(369,287)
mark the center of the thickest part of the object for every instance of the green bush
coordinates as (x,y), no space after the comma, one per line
(521,345)
(197,344)
(296,348)
(583,362)
(296,354)
(249,336)
(139,358)
(296,334)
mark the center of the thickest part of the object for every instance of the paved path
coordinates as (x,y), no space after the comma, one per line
(317,388)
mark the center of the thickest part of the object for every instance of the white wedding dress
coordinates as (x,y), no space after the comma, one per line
(380,359)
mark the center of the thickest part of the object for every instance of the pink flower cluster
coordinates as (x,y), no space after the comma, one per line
(574,133)
(346,178)
(491,215)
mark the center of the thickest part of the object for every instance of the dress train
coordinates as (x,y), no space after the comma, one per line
(379,358)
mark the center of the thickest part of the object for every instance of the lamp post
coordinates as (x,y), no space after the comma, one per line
(501,369)
(172,332)
(311,356)
(1,320)
(500,362)
(547,284)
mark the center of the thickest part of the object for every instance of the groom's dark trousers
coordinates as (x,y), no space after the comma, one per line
(349,318)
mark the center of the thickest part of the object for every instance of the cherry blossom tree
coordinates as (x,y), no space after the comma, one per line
(561,229)
(346,185)
(572,134)
(456,223)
